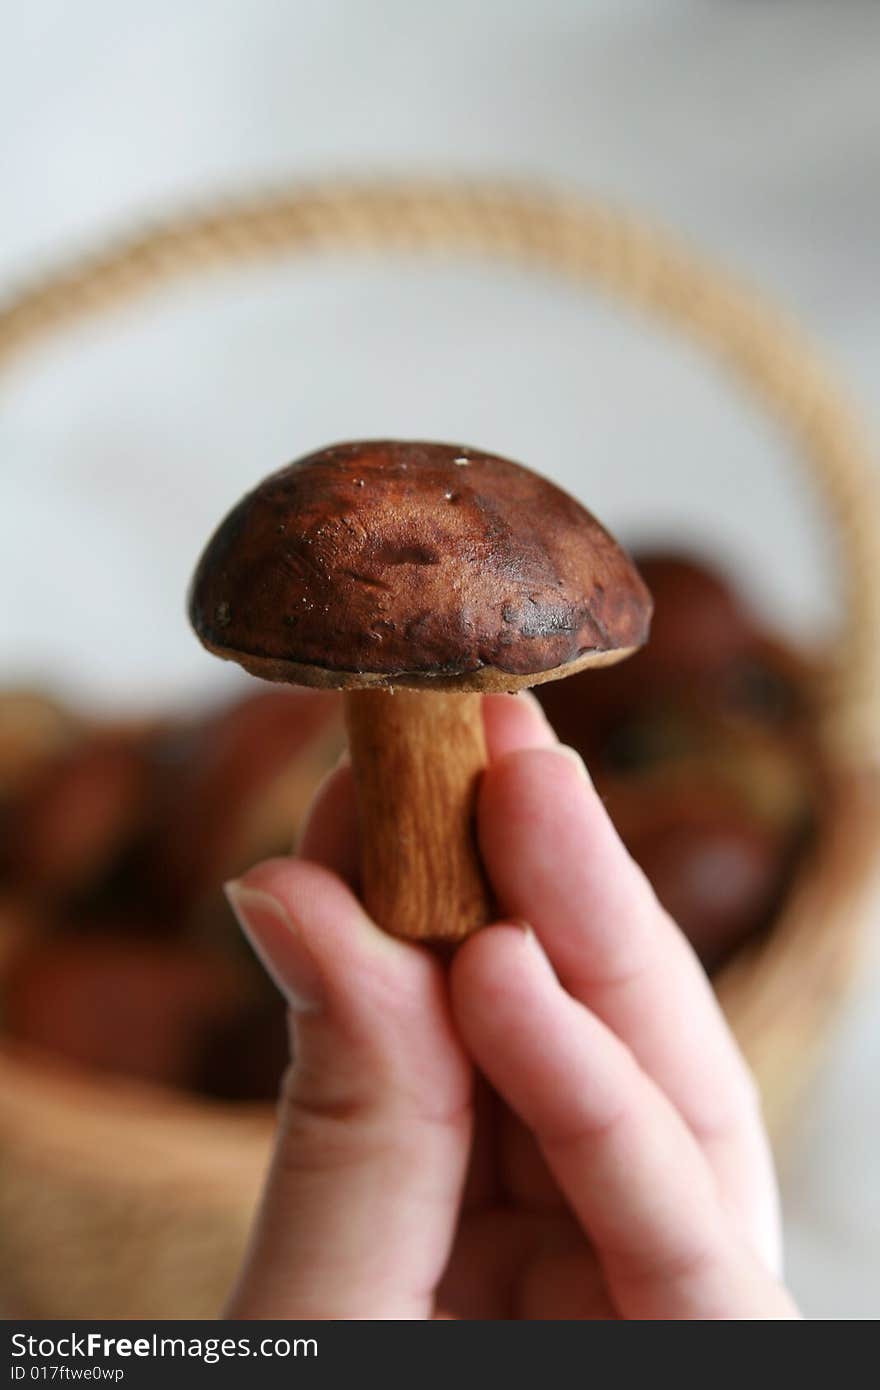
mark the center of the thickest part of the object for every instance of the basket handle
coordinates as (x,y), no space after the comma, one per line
(586,242)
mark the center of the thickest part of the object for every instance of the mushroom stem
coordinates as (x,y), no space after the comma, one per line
(417,756)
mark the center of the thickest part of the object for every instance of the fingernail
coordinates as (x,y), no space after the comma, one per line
(521,925)
(529,939)
(576,760)
(278,943)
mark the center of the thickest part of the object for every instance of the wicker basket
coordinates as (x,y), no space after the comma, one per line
(117,1200)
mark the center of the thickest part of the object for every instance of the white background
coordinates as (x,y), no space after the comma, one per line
(751,127)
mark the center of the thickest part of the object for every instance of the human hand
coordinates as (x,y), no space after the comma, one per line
(559,1125)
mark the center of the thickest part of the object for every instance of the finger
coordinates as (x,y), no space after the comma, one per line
(556,861)
(330,834)
(628,1165)
(513,722)
(363,1194)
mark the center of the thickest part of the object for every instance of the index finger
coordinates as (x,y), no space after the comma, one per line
(624,1158)
(556,861)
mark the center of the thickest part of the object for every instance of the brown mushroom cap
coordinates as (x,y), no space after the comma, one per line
(384,563)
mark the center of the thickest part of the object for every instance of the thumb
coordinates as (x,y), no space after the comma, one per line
(362,1196)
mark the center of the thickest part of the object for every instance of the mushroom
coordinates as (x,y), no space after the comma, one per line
(134,1008)
(413,577)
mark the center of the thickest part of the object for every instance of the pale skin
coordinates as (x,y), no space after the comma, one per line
(556,1124)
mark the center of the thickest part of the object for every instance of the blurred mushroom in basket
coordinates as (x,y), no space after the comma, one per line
(131,1007)
(701,748)
(117,950)
(234,786)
